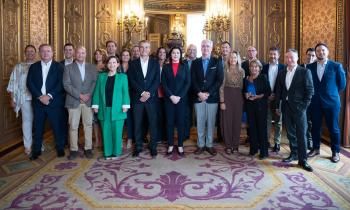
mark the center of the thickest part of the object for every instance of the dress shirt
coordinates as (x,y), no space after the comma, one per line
(45,67)
(81,67)
(205,63)
(320,69)
(273,72)
(68,61)
(144,66)
(289,76)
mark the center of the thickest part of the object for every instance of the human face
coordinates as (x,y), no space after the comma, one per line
(251,52)
(225,49)
(46,53)
(98,56)
(274,56)
(175,55)
(322,53)
(254,69)
(80,55)
(233,59)
(111,48)
(135,52)
(206,48)
(162,54)
(125,57)
(68,52)
(30,54)
(310,57)
(112,65)
(192,52)
(291,59)
(145,49)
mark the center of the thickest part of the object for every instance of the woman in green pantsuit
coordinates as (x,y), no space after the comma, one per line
(111,102)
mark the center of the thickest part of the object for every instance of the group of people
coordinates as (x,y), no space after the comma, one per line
(158,93)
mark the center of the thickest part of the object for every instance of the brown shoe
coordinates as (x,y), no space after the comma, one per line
(211,151)
(199,150)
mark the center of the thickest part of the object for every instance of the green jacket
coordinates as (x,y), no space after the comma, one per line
(120,96)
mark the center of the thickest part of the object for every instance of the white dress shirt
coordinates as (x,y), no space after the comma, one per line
(273,72)
(289,76)
(45,67)
(320,69)
(144,66)
(68,61)
(81,67)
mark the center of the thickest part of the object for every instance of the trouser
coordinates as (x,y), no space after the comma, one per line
(27,123)
(206,117)
(85,113)
(277,126)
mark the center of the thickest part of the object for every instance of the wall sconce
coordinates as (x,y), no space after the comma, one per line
(217,18)
(131,20)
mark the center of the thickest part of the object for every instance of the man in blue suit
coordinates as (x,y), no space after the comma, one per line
(44,82)
(329,79)
(271,71)
(144,79)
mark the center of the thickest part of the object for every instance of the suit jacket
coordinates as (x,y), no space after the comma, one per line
(210,82)
(178,85)
(300,91)
(265,71)
(120,96)
(262,86)
(74,85)
(327,90)
(138,83)
(53,84)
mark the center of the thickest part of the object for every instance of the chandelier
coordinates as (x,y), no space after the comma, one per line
(131,20)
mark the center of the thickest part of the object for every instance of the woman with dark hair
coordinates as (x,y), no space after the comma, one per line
(256,91)
(124,67)
(231,102)
(162,60)
(111,101)
(176,81)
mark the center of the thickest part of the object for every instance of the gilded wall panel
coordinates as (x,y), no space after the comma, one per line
(244,25)
(319,24)
(39,19)
(105,20)
(74,22)
(275,24)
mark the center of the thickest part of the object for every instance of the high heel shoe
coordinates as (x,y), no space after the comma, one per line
(170,150)
(180,151)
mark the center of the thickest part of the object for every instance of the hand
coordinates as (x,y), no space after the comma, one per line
(13,103)
(272,97)
(145,96)
(125,109)
(203,96)
(223,106)
(84,97)
(45,99)
(95,110)
(278,112)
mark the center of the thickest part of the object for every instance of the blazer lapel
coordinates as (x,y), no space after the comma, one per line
(77,72)
(293,79)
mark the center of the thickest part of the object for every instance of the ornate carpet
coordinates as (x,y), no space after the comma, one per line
(223,181)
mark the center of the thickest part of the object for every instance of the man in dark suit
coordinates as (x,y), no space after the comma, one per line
(144,80)
(329,79)
(294,88)
(271,71)
(44,82)
(79,79)
(207,77)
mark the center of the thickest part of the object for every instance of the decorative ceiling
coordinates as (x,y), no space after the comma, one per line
(171,6)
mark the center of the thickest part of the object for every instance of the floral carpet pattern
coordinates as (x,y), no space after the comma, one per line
(235,181)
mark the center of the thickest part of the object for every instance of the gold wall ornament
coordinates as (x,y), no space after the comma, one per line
(105,22)
(74,17)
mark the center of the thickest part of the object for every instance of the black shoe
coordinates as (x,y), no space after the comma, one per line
(313,153)
(262,157)
(211,151)
(136,153)
(228,151)
(335,157)
(72,155)
(88,154)
(60,153)
(34,155)
(154,153)
(276,148)
(289,159)
(304,165)
(199,150)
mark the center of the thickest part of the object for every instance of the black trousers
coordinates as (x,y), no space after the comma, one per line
(139,111)
(175,117)
(296,126)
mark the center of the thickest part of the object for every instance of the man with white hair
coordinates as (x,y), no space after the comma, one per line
(207,77)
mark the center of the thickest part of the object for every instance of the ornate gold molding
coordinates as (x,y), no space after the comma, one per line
(74,19)
(179,6)
(105,22)
(25,23)
(339,53)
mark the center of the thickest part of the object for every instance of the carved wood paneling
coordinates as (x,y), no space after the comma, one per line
(105,22)
(175,6)
(74,22)
(39,18)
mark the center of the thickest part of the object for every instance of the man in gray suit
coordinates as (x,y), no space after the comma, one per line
(79,80)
